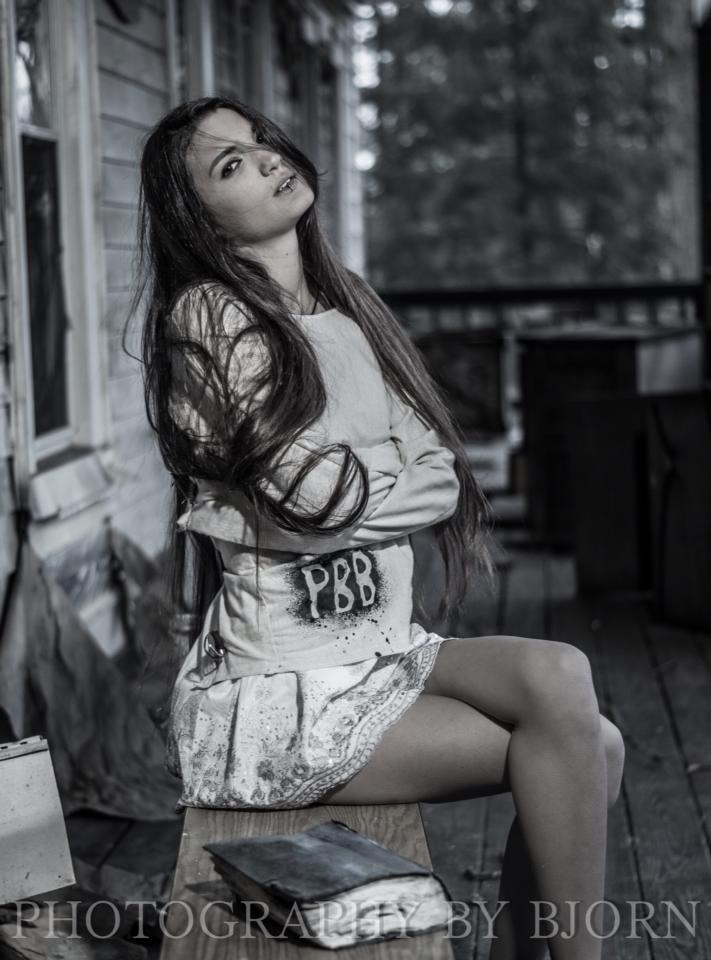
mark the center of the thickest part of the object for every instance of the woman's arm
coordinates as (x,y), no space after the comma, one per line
(196,409)
(424,492)
(412,484)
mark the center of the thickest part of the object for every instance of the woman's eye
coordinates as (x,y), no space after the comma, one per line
(259,138)
(230,167)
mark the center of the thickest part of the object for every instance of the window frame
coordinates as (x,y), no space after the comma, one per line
(75,123)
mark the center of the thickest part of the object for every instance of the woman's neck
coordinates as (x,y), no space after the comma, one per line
(281,258)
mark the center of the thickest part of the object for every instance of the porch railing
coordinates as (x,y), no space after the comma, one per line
(522,308)
(470,337)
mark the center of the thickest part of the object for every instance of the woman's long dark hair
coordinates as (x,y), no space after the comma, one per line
(182,250)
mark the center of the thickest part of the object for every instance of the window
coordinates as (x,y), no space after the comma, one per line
(39,162)
(61,357)
(56,274)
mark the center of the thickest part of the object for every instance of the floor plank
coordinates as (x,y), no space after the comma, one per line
(681,660)
(524,616)
(455,836)
(668,837)
(500,812)
(572,622)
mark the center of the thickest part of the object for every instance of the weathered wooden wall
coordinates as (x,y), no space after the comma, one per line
(134,73)
(134,90)
(135,85)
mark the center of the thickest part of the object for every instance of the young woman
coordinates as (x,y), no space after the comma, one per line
(306,442)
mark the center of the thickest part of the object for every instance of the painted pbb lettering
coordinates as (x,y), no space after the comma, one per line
(343,583)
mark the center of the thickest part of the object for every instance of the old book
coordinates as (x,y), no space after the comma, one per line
(332,885)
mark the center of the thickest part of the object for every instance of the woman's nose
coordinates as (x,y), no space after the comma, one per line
(270,159)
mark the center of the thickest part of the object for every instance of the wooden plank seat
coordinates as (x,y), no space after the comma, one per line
(196,885)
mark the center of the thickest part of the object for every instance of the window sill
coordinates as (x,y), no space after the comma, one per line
(67,483)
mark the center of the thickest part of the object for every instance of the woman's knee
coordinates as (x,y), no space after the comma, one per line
(559,687)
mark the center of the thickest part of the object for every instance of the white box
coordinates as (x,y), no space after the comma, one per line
(34,850)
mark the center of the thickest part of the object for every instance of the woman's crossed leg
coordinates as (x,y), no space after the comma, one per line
(509,713)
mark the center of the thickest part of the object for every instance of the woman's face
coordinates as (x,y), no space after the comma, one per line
(238,178)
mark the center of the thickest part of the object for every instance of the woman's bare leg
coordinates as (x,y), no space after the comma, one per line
(561,795)
(514,923)
(555,762)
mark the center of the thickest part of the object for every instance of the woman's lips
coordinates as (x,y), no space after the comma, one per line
(289,187)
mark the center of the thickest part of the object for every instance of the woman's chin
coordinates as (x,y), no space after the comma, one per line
(303,196)
(298,210)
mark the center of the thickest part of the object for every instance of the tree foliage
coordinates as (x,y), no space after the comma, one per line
(525,141)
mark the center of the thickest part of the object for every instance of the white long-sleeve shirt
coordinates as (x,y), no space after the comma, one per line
(323,600)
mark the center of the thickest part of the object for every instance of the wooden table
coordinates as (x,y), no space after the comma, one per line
(196,884)
(609,494)
(679,429)
(586,361)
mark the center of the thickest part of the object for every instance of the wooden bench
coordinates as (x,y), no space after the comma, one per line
(196,884)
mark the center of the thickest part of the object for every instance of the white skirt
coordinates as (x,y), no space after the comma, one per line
(284,740)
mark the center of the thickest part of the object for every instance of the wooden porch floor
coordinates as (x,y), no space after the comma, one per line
(653,681)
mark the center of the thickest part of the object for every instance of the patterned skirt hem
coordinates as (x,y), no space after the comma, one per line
(360,747)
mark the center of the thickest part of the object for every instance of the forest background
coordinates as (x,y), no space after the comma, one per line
(528,142)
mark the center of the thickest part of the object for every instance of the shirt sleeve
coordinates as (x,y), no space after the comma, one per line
(244,357)
(420,488)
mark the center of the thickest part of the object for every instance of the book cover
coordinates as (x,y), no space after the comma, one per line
(319,863)
(379,893)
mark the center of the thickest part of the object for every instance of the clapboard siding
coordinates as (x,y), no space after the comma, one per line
(120,270)
(122,98)
(124,57)
(120,225)
(116,309)
(120,363)
(134,91)
(157,6)
(148,31)
(133,95)
(119,183)
(122,139)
